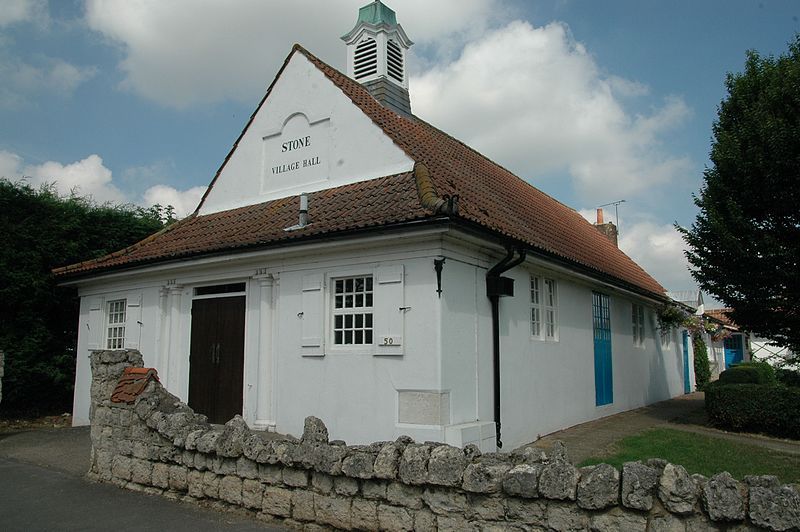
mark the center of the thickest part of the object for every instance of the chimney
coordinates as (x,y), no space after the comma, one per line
(376,56)
(608,229)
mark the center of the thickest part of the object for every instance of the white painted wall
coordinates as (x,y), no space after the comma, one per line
(546,385)
(304,104)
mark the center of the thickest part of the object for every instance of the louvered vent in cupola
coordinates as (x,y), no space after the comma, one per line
(365,62)
(394,61)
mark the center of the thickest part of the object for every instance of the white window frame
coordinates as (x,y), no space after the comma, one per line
(544,308)
(115,323)
(637,324)
(364,310)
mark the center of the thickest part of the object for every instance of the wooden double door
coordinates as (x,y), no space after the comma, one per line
(216,357)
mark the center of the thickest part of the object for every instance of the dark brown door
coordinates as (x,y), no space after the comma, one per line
(216,357)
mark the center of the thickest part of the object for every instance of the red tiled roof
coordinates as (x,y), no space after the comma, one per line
(489,196)
(720,314)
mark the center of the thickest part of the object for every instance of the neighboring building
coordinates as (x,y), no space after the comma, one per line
(732,348)
(353,262)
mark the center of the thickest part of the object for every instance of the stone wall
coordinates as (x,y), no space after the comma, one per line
(160,446)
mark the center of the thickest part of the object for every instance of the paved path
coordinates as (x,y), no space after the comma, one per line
(686,412)
(42,487)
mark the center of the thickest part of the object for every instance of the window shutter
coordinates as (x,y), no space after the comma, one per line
(95,324)
(311,343)
(133,321)
(389,313)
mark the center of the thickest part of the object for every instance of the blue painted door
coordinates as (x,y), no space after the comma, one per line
(687,385)
(603,381)
(733,350)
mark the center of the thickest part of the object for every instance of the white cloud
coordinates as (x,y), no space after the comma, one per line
(659,249)
(87,177)
(16,11)
(185,52)
(539,103)
(10,165)
(184,201)
(21,80)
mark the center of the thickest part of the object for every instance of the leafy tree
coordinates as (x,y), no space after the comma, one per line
(743,245)
(39,319)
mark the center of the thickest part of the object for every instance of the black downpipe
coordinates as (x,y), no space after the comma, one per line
(504,265)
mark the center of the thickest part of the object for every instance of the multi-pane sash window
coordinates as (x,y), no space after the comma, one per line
(637,321)
(115,333)
(352,310)
(544,308)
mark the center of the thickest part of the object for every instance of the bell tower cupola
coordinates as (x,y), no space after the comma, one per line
(376,56)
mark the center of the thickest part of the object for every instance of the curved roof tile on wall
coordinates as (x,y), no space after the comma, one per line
(489,196)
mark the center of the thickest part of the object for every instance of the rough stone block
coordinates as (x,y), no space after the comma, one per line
(141,472)
(486,508)
(322,483)
(229,443)
(194,483)
(665,522)
(252,445)
(413,468)
(207,442)
(278,501)
(333,511)
(446,466)
(271,474)
(364,515)
(559,481)
(178,478)
(230,489)
(328,459)
(386,462)
(121,467)
(394,519)
(345,486)
(374,490)
(566,516)
(453,523)
(223,466)
(677,490)
(102,464)
(445,501)
(424,521)
(724,498)
(302,505)
(160,475)
(485,477)
(297,478)
(598,487)
(639,483)
(210,485)
(532,512)
(314,430)
(359,465)
(202,461)
(617,519)
(252,494)
(775,508)
(400,494)
(190,443)
(246,468)
(523,480)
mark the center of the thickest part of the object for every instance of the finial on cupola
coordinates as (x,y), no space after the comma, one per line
(376,56)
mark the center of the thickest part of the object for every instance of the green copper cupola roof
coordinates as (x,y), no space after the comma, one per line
(377,13)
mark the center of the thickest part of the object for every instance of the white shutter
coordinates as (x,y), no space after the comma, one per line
(133,321)
(389,310)
(311,342)
(95,324)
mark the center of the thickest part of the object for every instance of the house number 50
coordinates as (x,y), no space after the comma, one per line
(388,340)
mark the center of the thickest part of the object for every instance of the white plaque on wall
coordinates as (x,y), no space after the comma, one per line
(297,155)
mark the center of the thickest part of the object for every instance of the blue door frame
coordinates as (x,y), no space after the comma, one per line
(734,352)
(603,375)
(687,385)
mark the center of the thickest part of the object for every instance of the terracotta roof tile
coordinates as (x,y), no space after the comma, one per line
(489,195)
(132,383)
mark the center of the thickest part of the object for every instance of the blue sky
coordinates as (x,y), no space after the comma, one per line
(590,101)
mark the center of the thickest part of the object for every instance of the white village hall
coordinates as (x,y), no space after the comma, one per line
(353,262)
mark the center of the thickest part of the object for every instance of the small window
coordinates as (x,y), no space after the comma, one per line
(115,333)
(394,61)
(544,308)
(352,310)
(637,322)
(365,60)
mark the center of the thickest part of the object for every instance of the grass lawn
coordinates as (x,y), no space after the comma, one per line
(703,454)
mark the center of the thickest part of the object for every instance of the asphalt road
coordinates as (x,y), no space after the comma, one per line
(42,487)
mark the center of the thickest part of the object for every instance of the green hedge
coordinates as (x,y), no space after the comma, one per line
(749,373)
(764,408)
(702,369)
(788,377)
